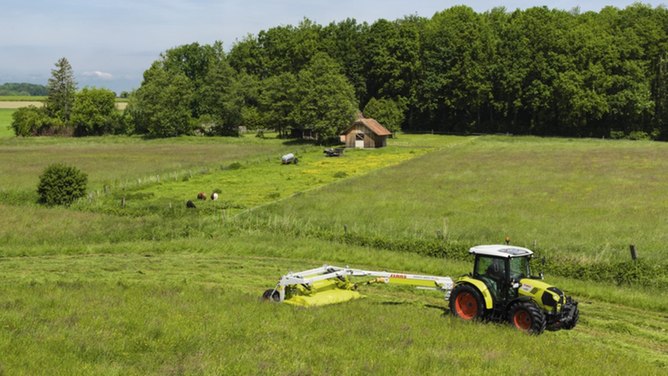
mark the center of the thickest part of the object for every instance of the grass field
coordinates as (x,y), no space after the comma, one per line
(99,289)
(192,307)
(257,182)
(118,161)
(587,198)
(5,123)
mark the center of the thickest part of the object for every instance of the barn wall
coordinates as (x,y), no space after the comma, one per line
(371,140)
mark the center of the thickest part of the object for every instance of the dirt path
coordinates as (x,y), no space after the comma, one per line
(19,104)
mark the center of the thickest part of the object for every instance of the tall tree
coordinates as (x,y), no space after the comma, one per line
(345,42)
(161,107)
(388,112)
(393,58)
(278,101)
(454,88)
(62,89)
(327,103)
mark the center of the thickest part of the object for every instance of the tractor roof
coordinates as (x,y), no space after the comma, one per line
(500,251)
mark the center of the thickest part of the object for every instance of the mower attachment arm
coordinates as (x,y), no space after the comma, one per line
(311,278)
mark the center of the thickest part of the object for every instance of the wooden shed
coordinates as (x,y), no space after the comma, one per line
(366,133)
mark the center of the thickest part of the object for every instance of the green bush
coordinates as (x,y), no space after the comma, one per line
(94,112)
(28,121)
(60,184)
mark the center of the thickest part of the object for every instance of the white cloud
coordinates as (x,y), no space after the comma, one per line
(99,74)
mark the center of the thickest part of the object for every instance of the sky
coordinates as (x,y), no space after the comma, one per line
(110,43)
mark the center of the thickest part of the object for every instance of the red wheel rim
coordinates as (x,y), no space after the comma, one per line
(466,305)
(522,320)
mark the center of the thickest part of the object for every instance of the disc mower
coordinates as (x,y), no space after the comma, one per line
(500,288)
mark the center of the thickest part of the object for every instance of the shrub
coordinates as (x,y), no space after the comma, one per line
(60,184)
(28,121)
(94,112)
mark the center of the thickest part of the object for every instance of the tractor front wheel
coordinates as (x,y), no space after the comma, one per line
(576,316)
(466,303)
(526,317)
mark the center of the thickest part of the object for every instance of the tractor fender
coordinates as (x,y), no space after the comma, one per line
(480,286)
(519,299)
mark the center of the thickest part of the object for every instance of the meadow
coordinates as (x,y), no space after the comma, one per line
(5,123)
(101,289)
(119,161)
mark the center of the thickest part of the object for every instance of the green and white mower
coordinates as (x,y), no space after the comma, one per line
(500,288)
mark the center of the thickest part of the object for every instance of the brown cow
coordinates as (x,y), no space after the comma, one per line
(201,196)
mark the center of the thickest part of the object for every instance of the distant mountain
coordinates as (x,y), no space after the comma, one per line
(13,88)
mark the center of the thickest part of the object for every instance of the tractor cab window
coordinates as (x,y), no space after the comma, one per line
(492,267)
(519,268)
(492,271)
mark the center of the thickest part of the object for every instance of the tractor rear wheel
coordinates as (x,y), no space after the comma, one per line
(466,303)
(527,317)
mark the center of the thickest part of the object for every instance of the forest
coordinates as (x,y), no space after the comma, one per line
(537,71)
(22,89)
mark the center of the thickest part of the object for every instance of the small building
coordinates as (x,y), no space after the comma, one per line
(365,133)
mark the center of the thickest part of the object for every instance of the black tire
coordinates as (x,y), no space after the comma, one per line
(466,303)
(527,317)
(576,317)
(271,295)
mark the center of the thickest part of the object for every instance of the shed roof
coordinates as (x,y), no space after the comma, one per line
(373,126)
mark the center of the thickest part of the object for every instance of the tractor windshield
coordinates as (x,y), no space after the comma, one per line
(519,268)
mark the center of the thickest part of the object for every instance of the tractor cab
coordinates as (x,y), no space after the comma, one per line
(501,267)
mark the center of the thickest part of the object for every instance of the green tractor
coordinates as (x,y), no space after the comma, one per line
(501,287)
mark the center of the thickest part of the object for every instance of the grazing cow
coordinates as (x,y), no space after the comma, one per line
(201,196)
(190,205)
(214,196)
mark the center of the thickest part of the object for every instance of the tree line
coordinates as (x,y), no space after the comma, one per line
(536,71)
(68,112)
(22,89)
